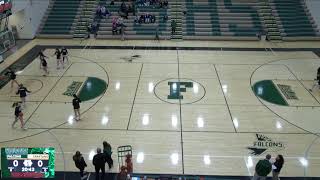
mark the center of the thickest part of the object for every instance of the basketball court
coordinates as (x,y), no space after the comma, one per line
(201,111)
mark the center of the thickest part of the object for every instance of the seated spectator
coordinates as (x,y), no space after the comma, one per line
(98,11)
(165,18)
(105,12)
(123,7)
(142,19)
(166,3)
(114,26)
(153,19)
(136,20)
(147,18)
(123,11)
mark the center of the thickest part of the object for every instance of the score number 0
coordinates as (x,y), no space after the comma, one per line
(16,163)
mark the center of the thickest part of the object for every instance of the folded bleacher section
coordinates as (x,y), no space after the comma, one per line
(60,18)
(221,19)
(135,30)
(295,20)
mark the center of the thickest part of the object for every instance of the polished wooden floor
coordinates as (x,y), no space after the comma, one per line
(210,131)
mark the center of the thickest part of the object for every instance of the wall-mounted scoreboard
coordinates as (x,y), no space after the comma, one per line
(27,162)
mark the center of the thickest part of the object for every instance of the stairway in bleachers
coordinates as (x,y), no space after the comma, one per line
(269,21)
(60,19)
(136,30)
(87,14)
(294,20)
(176,15)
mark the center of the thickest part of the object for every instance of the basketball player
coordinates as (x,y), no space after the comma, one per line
(76,107)
(12,75)
(65,53)
(317,81)
(41,57)
(22,91)
(18,115)
(59,61)
(45,67)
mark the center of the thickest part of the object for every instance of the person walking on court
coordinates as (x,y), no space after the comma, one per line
(65,54)
(12,75)
(18,115)
(59,61)
(317,81)
(76,107)
(99,162)
(107,150)
(263,168)
(277,166)
(22,91)
(45,67)
(80,163)
(41,57)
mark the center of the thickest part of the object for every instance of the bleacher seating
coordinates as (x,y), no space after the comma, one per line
(136,31)
(221,19)
(204,20)
(294,19)
(60,18)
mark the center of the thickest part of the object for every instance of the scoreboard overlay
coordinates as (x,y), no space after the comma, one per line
(28,162)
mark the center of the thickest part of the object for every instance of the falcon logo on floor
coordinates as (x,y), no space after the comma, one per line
(73,88)
(265,144)
(177,87)
(287,91)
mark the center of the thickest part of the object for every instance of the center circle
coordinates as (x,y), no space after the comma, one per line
(176,91)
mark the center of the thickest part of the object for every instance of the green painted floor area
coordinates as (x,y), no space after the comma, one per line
(92,88)
(267,91)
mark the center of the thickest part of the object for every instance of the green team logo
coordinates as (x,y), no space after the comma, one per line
(73,88)
(90,89)
(175,91)
(176,88)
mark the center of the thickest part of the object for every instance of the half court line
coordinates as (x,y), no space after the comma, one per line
(135,95)
(225,98)
(180,112)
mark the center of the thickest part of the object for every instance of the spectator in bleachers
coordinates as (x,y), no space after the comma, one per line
(157,34)
(105,12)
(173,26)
(123,11)
(133,6)
(165,18)
(122,29)
(166,3)
(114,26)
(142,19)
(146,18)
(140,2)
(153,19)
(98,12)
